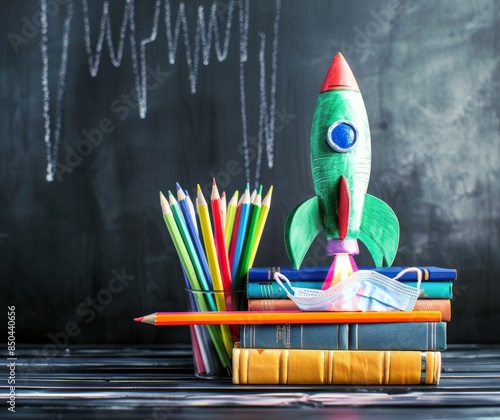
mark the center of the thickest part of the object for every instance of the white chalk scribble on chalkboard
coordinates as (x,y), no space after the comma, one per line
(52,144)
(205,33)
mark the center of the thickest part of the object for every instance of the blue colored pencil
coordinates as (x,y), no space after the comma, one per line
(242,230)
(181,197)
(191,211)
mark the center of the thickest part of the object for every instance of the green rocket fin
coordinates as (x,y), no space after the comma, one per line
(379,231)
(301,227)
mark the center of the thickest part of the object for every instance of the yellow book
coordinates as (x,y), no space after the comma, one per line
(339,367)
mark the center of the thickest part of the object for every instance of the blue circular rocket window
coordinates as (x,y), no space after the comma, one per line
(341,136)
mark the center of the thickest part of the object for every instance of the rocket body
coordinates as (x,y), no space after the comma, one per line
(340,150)
(328,166)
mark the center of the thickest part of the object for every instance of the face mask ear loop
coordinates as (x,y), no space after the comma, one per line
(419,280)
(419,276)
(288,286)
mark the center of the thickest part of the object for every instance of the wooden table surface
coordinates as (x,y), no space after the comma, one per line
(157,384)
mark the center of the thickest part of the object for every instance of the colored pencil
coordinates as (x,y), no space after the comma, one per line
(230,216)
(197,335)
(191,210)
(220,243)
(243,266)
(252,196)
(179,243)
(285,317)
(220,332)
(223,209)
(208,240)
(266,205)
(234,234)
(219,344)
(241,233)
(199,350)
(183,229)
(193,234)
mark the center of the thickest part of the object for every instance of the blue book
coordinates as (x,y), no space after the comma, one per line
(319,273)
(270,289)
(423,336)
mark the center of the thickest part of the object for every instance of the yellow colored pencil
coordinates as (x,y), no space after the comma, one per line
(266,205)
(208,241)
(213,263)
(230,215)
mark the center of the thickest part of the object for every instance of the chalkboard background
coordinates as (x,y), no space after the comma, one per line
(165,113)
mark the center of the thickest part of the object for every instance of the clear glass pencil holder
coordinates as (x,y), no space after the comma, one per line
(213,344)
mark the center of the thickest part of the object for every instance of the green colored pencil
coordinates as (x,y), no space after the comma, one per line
(266,205)
(178,243)
(250,239)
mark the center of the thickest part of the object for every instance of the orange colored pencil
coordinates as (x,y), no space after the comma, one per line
(285,317)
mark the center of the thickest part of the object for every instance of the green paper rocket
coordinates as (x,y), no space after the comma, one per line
(340,162)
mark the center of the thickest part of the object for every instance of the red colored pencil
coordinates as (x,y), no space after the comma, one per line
(220,242)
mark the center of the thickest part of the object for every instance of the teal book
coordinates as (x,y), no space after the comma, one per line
(423,336)
(270,289)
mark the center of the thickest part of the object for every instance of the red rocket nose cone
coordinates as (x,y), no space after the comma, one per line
(339,76)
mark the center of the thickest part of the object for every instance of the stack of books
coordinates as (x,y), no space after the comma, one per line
(363,351)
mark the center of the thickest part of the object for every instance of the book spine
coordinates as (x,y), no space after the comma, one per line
(319,273)
(423,336)
(326,367)
(272,290)
(441,305)
(434,290)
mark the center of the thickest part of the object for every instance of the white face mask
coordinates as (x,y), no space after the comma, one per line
(364,290)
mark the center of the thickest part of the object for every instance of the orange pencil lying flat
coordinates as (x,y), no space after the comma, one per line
(285,317)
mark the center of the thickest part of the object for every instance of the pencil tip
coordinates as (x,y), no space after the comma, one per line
(139,319)
(177,186)
(198,188)
(213,182)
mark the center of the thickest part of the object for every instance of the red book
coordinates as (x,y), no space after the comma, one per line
(441,305)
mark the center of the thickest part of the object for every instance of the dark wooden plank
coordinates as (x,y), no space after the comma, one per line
(105,381)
